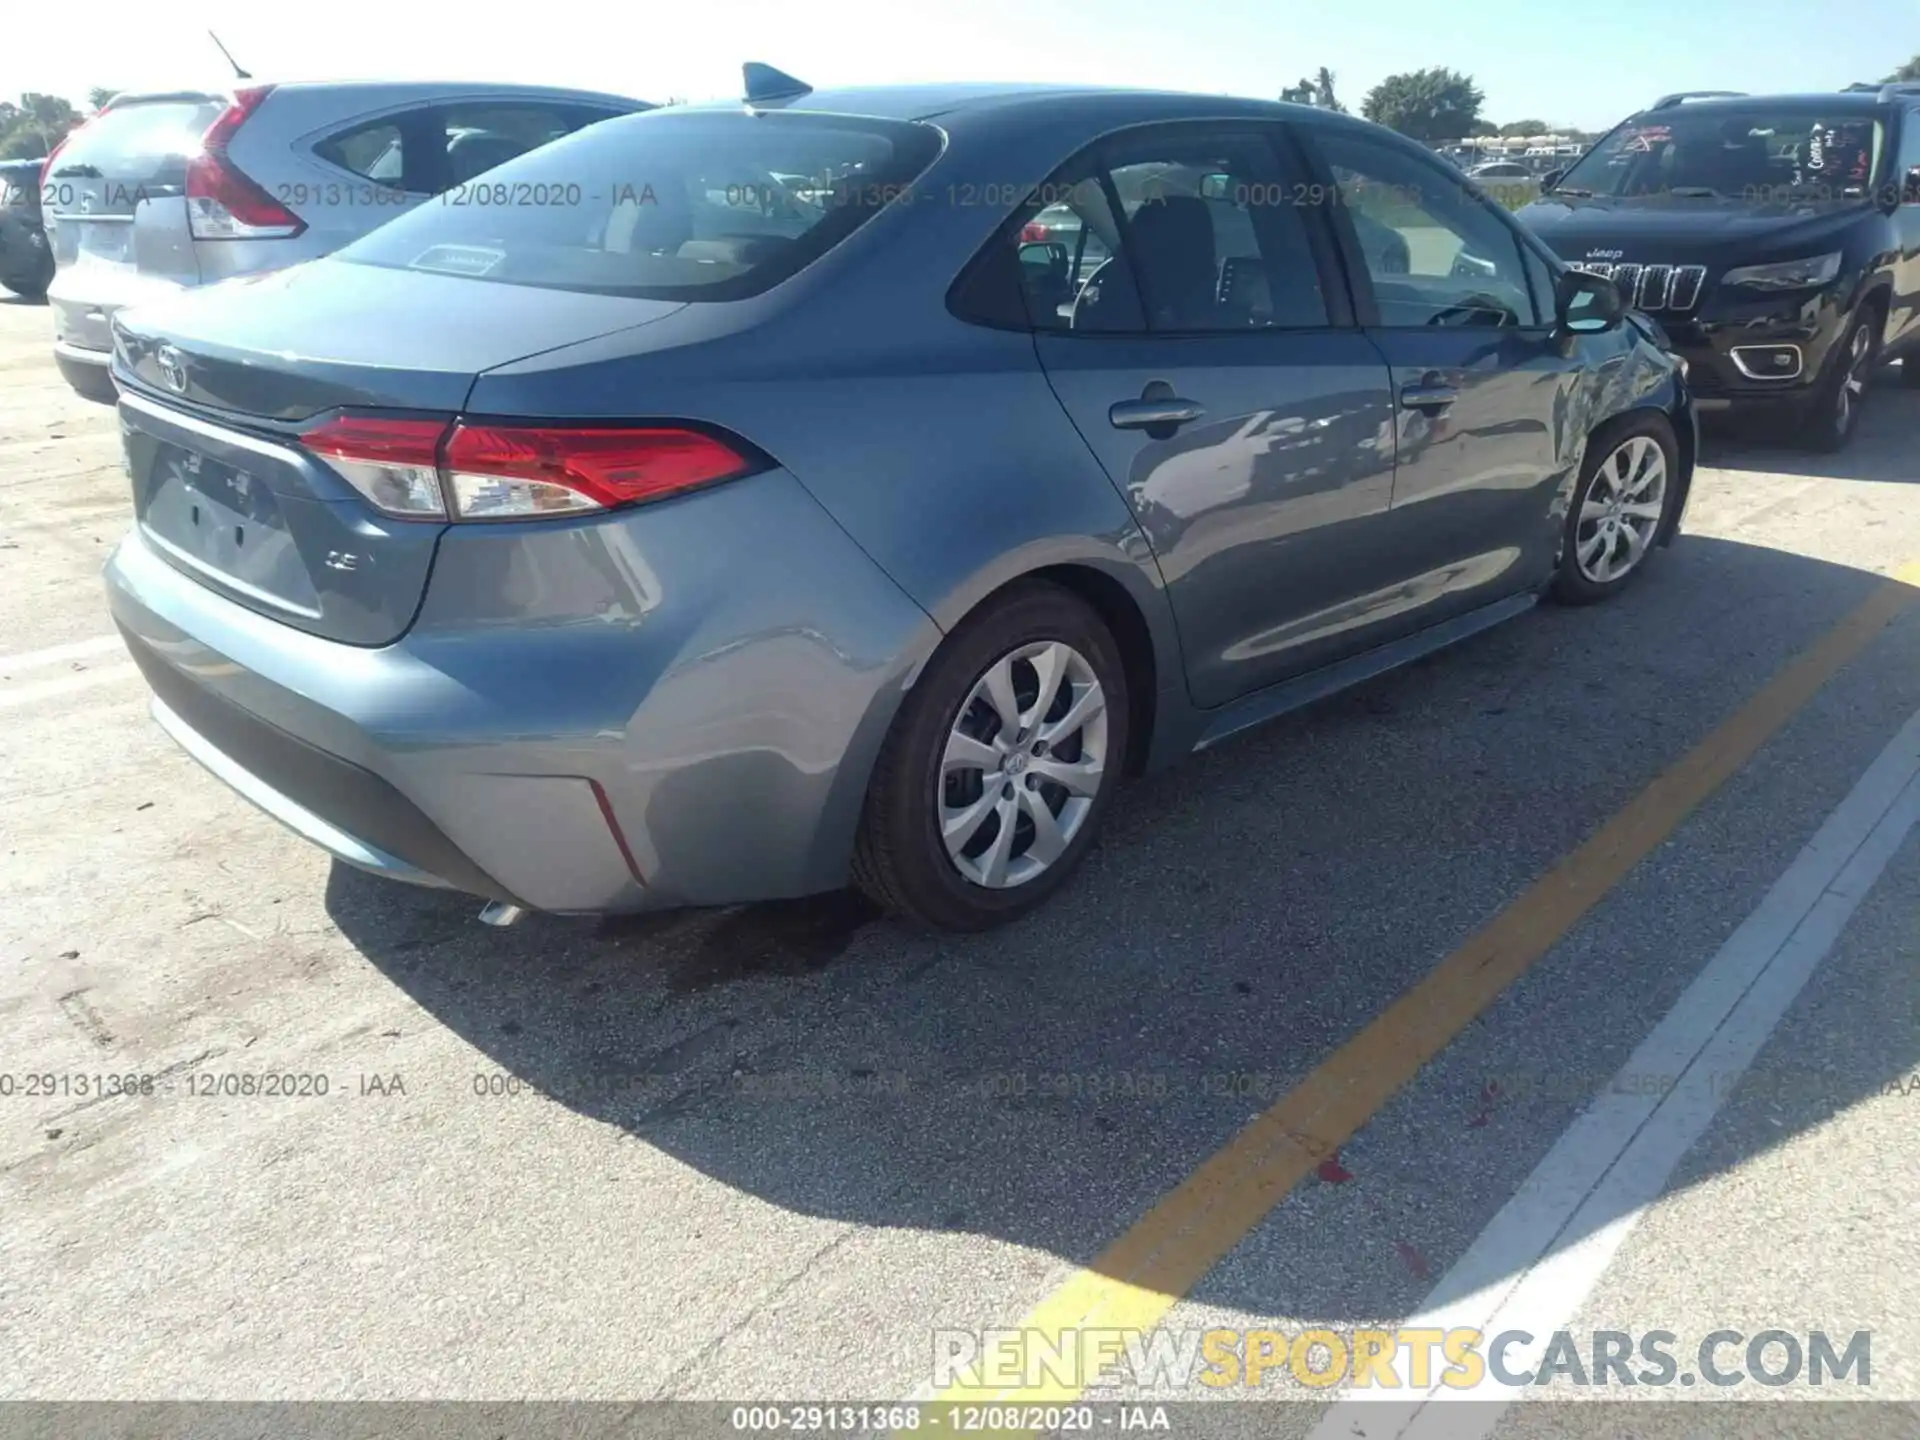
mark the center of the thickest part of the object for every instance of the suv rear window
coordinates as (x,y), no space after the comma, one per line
(1751,153)
(134,150)
(687,206)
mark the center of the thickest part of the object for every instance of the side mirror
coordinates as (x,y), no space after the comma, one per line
(1910,186)
(1586,304)
(1551,179)
(1044,255)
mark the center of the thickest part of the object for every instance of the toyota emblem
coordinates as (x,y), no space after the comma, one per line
(173,368)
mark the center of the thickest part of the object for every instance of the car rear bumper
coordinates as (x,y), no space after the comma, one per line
(620,728)
(88,371)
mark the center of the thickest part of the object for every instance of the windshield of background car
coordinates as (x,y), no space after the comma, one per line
(689,206)
(1754,155)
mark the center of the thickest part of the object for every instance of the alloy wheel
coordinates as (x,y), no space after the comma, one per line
(1853,384)
(1621,511)
(1024,761)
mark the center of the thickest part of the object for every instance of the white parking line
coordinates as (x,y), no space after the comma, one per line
(1542,1254)
(12,665)
(14,696)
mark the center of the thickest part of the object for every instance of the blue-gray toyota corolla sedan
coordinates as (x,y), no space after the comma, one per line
(729,502)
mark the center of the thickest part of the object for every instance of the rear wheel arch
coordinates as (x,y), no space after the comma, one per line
(1142,655)
(1134,639)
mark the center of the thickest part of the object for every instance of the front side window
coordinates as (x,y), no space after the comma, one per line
(1909,146)
(1434,252)
(1751,154)
(480,136)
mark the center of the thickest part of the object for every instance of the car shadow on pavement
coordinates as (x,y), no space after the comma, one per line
(1244,915)
(1882,449)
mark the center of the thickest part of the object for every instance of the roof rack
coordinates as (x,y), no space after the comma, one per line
(1680,97)
(767,86)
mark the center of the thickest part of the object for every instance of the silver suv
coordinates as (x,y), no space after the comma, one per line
(164,191)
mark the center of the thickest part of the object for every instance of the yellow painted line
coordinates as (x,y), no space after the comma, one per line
(1141,1275)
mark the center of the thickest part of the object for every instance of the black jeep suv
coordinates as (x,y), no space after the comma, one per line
(1776,239)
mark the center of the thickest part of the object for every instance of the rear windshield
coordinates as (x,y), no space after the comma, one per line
(665,206)
(1754,155)
(132,152)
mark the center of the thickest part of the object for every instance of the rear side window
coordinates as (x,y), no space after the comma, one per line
(689,206)
(134,151)
(375,152)
(1179,229)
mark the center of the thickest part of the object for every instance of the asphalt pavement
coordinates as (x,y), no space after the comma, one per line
(373,1150)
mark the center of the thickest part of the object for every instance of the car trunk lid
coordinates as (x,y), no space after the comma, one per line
(217,394)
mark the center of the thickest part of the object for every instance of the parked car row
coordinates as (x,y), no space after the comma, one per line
(855,485)
(167,191)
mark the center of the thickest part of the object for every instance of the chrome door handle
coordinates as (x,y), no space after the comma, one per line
(1171,412)
(1432,399)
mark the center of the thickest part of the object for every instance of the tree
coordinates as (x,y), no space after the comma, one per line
(1428,105)
(23,144)
(1315,91)
(34,126)
(98,97)
(1526,127)
(1323,95)
(1908,71)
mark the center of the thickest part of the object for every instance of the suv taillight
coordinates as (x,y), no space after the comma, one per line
(420,468)
(222,203)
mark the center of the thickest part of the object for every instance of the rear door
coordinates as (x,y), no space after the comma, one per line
(1211,365)
(131,159)
(1445,287)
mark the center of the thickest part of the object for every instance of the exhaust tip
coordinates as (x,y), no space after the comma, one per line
(499,914)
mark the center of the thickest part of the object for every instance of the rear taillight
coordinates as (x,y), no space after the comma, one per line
(1034,233)
(393,462)
(507,472)
(222,203)
(421,468)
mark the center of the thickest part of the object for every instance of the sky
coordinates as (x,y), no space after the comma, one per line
(1584,67)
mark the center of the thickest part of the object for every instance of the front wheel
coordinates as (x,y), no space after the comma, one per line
(1629,483)
(999,767)
(1836,406)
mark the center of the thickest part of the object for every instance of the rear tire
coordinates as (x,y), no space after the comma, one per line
(1629,485)
(966,826)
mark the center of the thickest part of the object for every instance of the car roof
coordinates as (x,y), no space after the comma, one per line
(425,89)
(925,102)
(1829,101)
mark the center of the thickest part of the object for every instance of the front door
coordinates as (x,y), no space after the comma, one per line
(1483,393)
